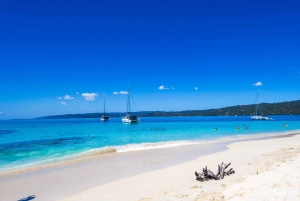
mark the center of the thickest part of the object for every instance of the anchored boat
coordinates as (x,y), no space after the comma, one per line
(104,116)
(129,117)
(258,116)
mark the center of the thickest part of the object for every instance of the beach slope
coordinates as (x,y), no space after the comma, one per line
(265,170)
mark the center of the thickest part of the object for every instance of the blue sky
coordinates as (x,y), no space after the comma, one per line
(51,49)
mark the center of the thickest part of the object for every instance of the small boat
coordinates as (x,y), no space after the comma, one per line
(258,116)
(104,116)
(129,117)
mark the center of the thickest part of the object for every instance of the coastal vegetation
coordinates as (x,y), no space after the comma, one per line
(282,108)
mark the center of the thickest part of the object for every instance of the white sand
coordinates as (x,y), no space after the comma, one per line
(265,170)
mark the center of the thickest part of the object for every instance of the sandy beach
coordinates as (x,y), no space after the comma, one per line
(266,169)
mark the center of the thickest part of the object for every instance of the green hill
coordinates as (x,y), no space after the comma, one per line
(283,108)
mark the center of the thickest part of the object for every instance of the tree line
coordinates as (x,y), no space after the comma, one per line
(282,108)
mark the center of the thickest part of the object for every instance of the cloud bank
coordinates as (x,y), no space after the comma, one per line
(89,96)
(257,84)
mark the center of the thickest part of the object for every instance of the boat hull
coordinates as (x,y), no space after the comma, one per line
(259,118)
(129,118)
(124,120)
(104,118)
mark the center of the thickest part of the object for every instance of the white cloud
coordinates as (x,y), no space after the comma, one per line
(257,84)
(64,103)
(59,97)
(77,92)
(121,92)
(196,88)
(172,87)
(162,87)
(68,97)
(93,109)
(89,96)
(1,113)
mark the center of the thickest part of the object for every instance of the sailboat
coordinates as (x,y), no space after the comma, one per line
(258,116)
(129,118)
(104,116)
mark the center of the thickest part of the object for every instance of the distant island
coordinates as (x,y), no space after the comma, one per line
(282,108)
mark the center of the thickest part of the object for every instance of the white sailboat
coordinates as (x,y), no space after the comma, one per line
(104,116)
(258,116)
(129,118)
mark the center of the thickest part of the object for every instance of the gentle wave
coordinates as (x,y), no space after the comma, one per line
(95,152)
(159,145)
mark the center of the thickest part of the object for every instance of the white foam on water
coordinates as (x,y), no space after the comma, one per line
(159,145)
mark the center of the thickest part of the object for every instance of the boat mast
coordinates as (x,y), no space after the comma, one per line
(128,100)
(104,105)
(256,101)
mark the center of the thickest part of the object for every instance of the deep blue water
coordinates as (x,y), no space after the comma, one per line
(27,142)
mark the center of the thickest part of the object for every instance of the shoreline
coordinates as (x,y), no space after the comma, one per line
(106,169)
(111,151)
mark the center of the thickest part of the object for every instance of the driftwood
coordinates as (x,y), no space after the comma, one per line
(230,171)
(209,175)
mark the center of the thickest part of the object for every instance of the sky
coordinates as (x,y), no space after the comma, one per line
(63,57)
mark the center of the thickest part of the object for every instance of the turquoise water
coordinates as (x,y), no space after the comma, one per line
(30,142)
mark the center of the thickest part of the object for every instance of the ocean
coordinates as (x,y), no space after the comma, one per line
(38,141)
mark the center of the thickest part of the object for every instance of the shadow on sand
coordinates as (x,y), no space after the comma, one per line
(28,198)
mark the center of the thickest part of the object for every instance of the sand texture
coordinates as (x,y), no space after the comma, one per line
(265,170)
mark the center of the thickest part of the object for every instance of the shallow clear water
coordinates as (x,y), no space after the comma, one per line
(27,142)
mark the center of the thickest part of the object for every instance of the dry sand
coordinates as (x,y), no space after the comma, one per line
(266,169)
